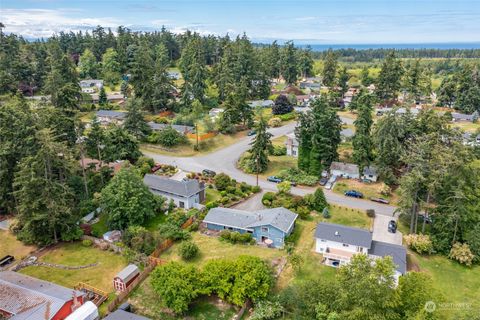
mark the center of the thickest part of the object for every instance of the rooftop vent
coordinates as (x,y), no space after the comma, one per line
(337,233)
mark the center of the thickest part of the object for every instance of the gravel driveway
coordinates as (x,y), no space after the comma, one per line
(380,230)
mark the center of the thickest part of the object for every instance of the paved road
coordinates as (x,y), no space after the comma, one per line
(224,160)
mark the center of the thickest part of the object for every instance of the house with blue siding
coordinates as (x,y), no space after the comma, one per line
(269,226)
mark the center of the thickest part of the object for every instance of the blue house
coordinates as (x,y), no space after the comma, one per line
(269,226)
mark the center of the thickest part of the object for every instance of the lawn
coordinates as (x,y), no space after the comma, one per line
(75,254)
(11,246)
(211,247)
(99,228)
(368,189)
(467,126)
(345,151)
(212,194)
(456,283)
(218,142)
(279,163)
(146,302)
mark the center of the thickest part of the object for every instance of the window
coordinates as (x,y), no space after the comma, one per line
(323,240)
(264,229)
(345,245)
(181,204)
(294,152)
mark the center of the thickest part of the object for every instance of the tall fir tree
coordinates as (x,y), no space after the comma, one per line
(330,65)
(135,123)
(162,98)
(389,81)
(261,146)
(362,140)
(289,65)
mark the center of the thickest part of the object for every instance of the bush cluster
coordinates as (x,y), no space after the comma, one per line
(275,122)
(281,199)
(237,237)
(298,176)
(188,250)
(461,252)
(279,151)
(421,243)
(288,116)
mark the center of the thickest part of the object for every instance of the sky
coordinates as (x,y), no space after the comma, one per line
(308,22)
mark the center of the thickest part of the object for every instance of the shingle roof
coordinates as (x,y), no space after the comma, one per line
(279,218)
(111,114)
(344,167)
(181,188)
(180,128)
(344,234)
(397,252)
(128,273)
(370,171)
(30,298)
(462,116)
(124,315)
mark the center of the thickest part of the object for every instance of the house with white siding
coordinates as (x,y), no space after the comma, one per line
(292,145)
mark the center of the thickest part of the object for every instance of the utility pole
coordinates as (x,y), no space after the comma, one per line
(258,169)
(196,132)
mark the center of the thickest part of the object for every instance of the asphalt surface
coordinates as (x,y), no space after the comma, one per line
(380,230)
(225,160)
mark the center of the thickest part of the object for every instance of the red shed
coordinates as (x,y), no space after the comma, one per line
(125,277)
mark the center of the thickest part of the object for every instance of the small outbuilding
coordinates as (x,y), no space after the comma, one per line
(125,277)
(344,170)
(370,173)
(112,236)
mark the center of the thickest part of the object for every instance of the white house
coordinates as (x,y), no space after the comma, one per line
(106,117)
(292,145)
(91,83)
(345,170)
(370,173)
(338,244)
(261,103)
(185,194)
(215,113)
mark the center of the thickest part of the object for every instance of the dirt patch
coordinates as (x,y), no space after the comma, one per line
(412,264)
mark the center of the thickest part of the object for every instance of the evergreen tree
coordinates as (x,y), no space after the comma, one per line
(365,78)
(111,67)
(261,147)
(362,140)
(88,65)
(120,145)
(271,60)
(305,62)
(135,123)
(343,78)
(329,73)
(389,80)
(95,140)
(289,64)
(162,98)
(446,93)
(102,97)
(417,81)
(193,68)
(303,134)
(142,71)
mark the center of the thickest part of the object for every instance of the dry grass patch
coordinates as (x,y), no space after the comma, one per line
(11,246)
(368,189)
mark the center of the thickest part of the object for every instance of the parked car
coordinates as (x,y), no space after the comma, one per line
(251,133)
(209,173)
(323,181)
(380,200)
(6,260)
(328,185)
(354,194)
(274,179)
(392,226)
(156,167)
(366,181)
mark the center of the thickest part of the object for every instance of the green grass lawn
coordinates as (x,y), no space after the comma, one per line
(99,228)
(152,223)
(467,126)
(368,189)
(212,194)
(279,163)
(456,283)
(75,254)
(11,246)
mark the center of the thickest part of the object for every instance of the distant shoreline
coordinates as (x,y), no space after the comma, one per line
(414,46)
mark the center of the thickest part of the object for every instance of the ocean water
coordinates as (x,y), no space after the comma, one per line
(323,47)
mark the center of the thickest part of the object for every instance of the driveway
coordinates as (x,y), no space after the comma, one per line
(253,203)
(225,160)
(380,230)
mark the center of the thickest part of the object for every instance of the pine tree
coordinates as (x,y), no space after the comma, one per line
(142,71)
(110,67)
(289,64)
(193,67)
(88,65)
(162,98)
(135,123)
(343,78)
(389,80)
(365,78)
(362,140)
(305,62)
(261,147)
(95,140)
(330,69)
(102,97)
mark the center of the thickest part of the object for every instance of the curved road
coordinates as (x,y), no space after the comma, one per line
(225,160)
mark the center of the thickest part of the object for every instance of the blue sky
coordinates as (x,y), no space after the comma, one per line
(316,22)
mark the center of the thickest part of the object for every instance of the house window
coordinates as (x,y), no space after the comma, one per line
(359,249)
(264,229)
(249,231)
(323,240)
(294,152)
(181,204)
(345,245)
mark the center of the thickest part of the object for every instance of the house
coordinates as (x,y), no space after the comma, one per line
(91,84)
(345,170)
(88,90)
(215,113)
(348,97)
(382,111)
(106,117)
(111,97)
(458,117)
(88,311)
(179,128)
(125,277)
(185,194)
(310,85)
(124,315)
(338,244)
(370,173)
(112,236)
(269,226)
(292,145)
(23,297)
(175,75)
(261,103)
(470,139)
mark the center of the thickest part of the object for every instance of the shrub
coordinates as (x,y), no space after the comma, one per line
(231,189)
(371,213)
(188,250)
(87,243)
(274,122)
(266,310)
(318,201)
(303,212)
(279,151)
(419,242)
(194,226)
(462,253)
(284,187)
(222,181)
(236,237)
(256,189)
(225,200)
(287,116)
(298,176)
(167,137)
(281,106)
(268,197)
(326,213)
(211,204)
(173,231)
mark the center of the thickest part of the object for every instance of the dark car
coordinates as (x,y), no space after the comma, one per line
(392,226)
(354,194)
(274,179)
(209,173)
(251,133)
(323,181)
(6,260)
(380,200)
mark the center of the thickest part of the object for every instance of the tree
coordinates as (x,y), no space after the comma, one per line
(120,145)
(343,78)
(365,78)
(192,66)
(447,92)
(282,105)
(305,62)
(102,97)
(289,65)
(389,80)
(414,290)
(169,137)
(261,147)
(126,200)
(177,284)
(417,81)
(44,199)
(111,67)
(142,73)
(95,139)
(362,140)
(330,69)
(188,250)
(318,202)
(135,123)
(88,65)
(162,98)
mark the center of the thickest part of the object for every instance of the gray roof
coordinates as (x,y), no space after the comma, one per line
(124,315)
(29,298)
(370,171)
(344,167)
(128,273)
(344,234)
(397,252)
(180,128)
(90,83)
(261,103)
(111,114)
(462,116)
(279,218)
(184,188)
